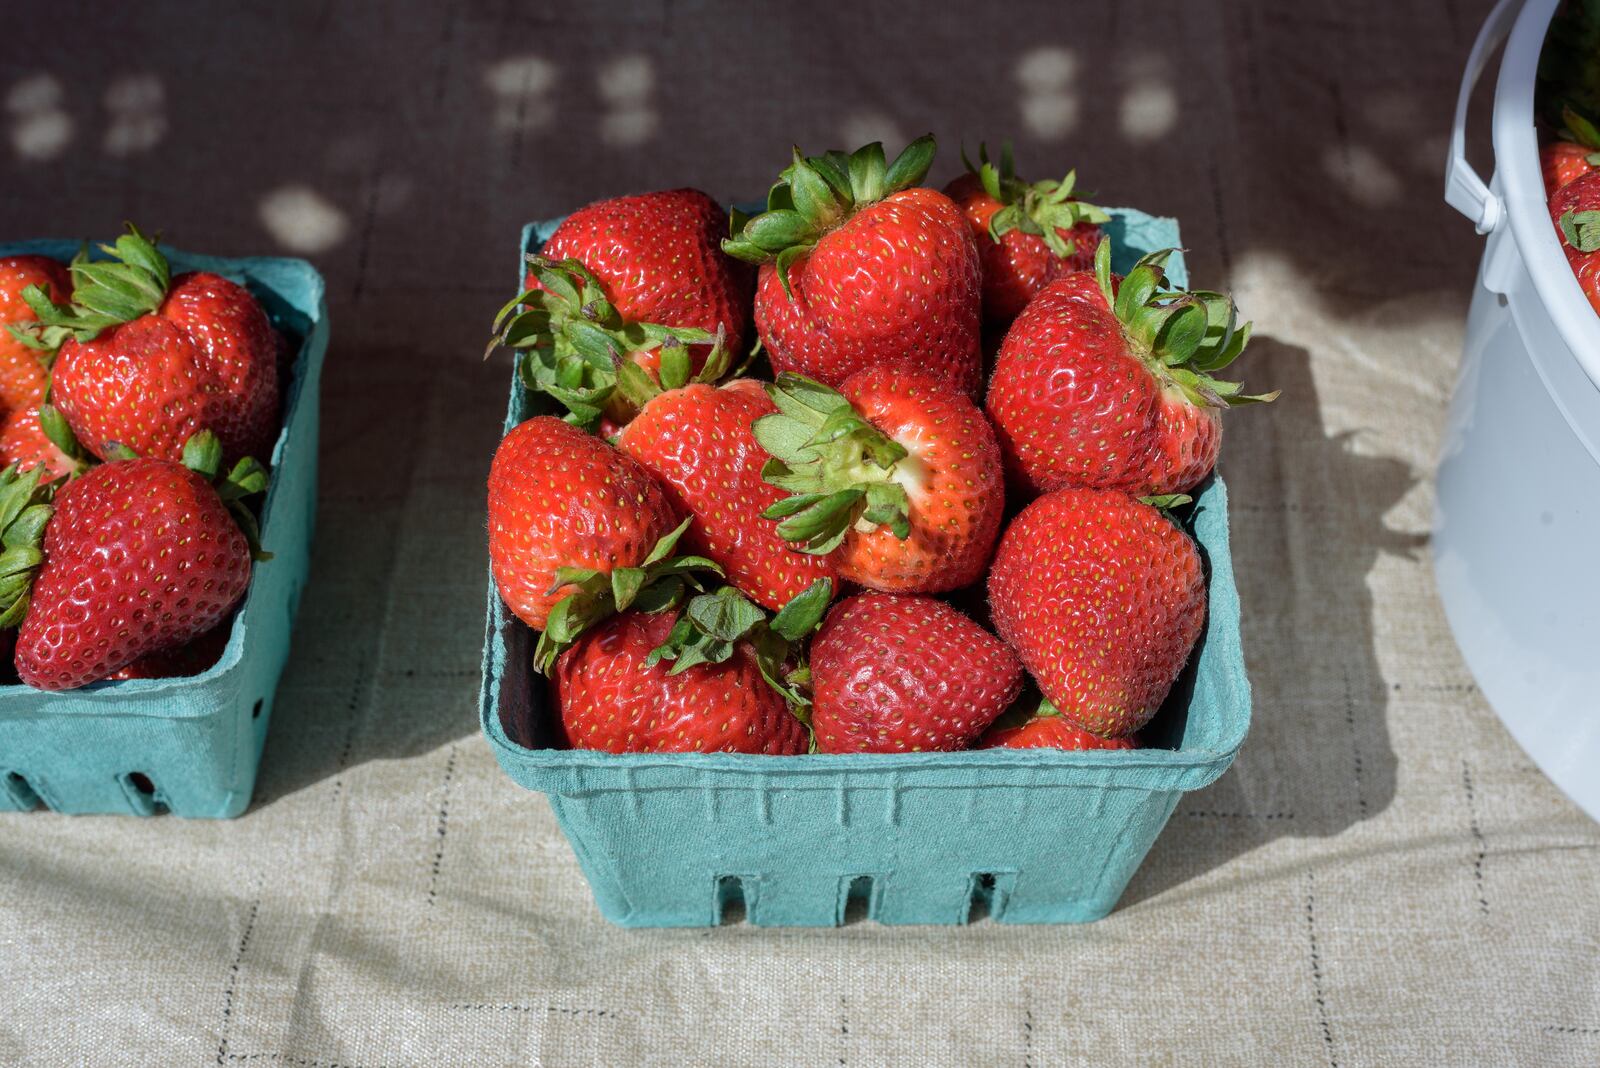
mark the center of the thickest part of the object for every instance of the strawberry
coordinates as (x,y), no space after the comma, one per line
(24,442)
(1103,598)
(1575,210)
(1575,154)
(859,269)
(1113,388)
(195,658)
(616,280)
(897,674)
(1045,728)
(658,258)
(560,498)
(616,695)
(698,441)
(897,479)
(579,348)
(141,555)
(145,360)
(1027,235)
(22,375)
(1564,162)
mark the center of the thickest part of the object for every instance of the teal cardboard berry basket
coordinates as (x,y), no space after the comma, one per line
(189,746)
(1035,836)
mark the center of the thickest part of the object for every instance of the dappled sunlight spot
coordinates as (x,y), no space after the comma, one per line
(1362,175)
(521,86)
(41,128)
(865,127)
(138,120)
(303,220)
(626,84)
(1395,112)
(1428,153)
(1149,111)
(1149,108)
(1048,102)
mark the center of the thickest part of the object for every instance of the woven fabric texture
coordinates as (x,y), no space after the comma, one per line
(1382,878)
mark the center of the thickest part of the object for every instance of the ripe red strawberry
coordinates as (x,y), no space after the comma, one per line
(195,658)
(1564,162)
(698,441)
(1575,153)
(613,697)
(1103,598)
(560,498)
(1575,210)
(860,269)
(1045,728)
(1028,235)
(146,360)
(141,556)
(22,375)
(23,442)
(659,259)
(1116,391)
(897,479)
(898,674)
(616,279)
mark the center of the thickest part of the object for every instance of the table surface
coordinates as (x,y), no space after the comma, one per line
(1383,878)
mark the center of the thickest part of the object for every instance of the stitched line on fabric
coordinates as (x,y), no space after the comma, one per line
(233,981)
(1316,969)
(844,1028)
(1240,815)
(298,1062)
(369,222)
(1572,1030)
(1355,742)
(1027,1038)
(557,1009)
(444,823)
(1223,251)
(1477,836)
(358,690)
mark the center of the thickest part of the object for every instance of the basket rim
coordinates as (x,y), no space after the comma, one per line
(1206,762)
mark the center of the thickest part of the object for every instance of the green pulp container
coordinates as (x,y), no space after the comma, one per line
(1034,836)
(189,746)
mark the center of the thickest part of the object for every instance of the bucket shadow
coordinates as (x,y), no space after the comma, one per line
(1318,758)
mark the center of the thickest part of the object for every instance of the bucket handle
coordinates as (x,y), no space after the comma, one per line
(1463,189)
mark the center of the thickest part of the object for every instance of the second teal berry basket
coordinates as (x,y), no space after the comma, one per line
(190,746)
(1036,836)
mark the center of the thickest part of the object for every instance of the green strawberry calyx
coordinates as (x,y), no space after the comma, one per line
(817,194)
(1042,209)
(1182,336)
(712,625)
(1581,230)
(202,454)
(132,283)
(24,513)
(1029,706)
(660,582)
(575,346)
(1577,127)
(841,470)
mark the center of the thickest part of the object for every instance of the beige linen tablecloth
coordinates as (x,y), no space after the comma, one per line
(1382,879)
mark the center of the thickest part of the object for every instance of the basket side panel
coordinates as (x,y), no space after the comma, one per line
(666,857)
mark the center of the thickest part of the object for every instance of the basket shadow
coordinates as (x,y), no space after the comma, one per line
(1319,758)
(385,659)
